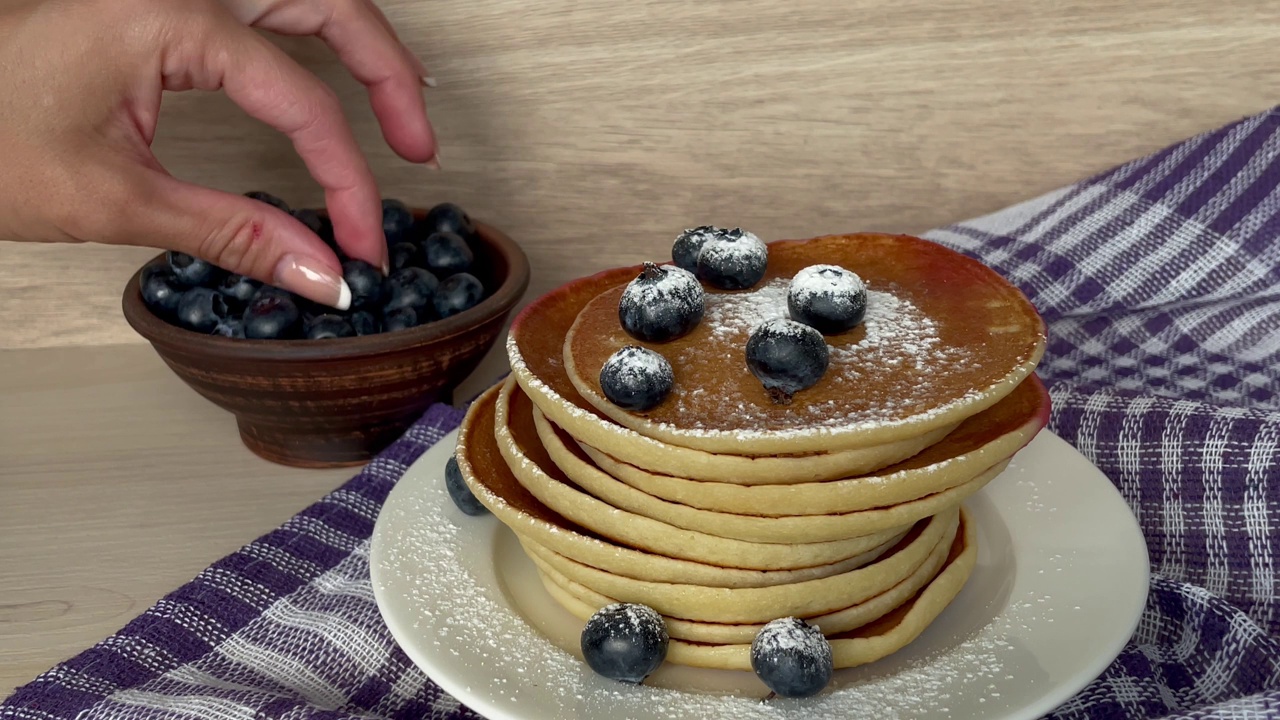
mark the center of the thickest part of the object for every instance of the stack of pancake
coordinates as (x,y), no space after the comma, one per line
(723,509)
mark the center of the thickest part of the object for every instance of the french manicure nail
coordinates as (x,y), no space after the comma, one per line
(428,81)
(313,280)
(434,162)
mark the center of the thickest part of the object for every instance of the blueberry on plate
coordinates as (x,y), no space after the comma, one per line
(625,642)
(459,492)
(447,217)
(231,327)
(636,378)
(272,314)
(733,260)
(161,290)
(827,298)
(365,282)
(201,310)
(238,290)
(662,304)
(787,357)
(399,319)
(397,219)
(447,253)
(364,322)
(191,271)
(792,657)
(410,287)
(267,198)
(405,254)
(684,251)
(323,327)
(457,293)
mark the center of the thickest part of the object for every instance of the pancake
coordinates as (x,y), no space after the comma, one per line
(496,487)
(866,644)
(524,453)
(760,605)
(994,434)
(832,525)
(582,602)
(535,347)
(944,337)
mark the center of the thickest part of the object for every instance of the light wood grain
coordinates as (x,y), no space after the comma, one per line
(595,130)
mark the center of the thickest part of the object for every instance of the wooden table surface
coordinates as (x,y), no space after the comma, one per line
(592,131)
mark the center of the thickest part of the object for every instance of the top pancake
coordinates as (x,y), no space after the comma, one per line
(944,337)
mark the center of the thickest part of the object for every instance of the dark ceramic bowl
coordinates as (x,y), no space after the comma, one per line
(337,402)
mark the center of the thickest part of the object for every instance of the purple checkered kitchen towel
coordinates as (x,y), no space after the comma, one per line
(1160,281)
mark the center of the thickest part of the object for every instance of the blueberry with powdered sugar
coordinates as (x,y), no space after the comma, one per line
(684,251)
(625,642)
(662,304)
(787,357)
(792,658)
(827,298)
(636,378)
(733,260)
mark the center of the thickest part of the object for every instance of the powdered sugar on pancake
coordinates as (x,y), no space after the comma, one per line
(895,333)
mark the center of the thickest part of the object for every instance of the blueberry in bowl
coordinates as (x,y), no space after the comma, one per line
(312,386)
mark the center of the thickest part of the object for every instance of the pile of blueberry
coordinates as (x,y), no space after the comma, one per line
(431,278)
(667,302)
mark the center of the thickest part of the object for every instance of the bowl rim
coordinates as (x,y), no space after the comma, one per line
(158,331)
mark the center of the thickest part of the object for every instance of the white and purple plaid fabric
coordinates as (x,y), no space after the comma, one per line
(1160,281)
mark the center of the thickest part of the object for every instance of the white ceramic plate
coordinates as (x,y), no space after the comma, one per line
(1060,583)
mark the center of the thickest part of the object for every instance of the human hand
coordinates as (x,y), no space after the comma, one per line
(80,90)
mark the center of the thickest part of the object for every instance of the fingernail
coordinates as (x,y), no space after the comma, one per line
(434,162)
(428,81)
(386,267)
(313,280)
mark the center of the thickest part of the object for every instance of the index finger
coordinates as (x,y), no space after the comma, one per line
(271,87)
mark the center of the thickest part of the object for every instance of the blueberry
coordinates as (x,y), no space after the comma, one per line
(787,357)
(267,198)
(406,254)
(238,290)
(201,309)
(161,290)
(458,490)
(396,221)
(827,298)
(191,271)
(447,217)
(323,327)
(310,218)
(399,319)
(733,260)
(365,282)
(636,378)
(364,322)
(409,287)
(230,327)
(457,293)
(661,304)
(684,251)
(792,657)
(625,642)
(272,314)
(447,253)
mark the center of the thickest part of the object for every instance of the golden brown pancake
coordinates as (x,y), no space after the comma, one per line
(992,435)
(944,337)
(535,348)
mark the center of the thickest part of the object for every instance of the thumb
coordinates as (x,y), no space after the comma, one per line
(241,235)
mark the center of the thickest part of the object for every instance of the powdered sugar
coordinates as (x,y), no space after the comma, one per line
(899,351)
(825,279)
(790,636)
